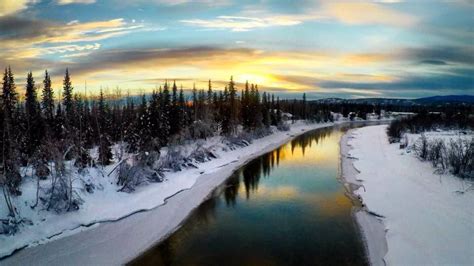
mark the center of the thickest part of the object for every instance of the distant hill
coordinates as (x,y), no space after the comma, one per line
(448,99)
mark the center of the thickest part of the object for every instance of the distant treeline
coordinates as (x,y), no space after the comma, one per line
(426,121)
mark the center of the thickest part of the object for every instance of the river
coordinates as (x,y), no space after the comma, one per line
(286,207)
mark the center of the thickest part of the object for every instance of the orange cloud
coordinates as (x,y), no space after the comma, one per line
(8,7)
(358,12)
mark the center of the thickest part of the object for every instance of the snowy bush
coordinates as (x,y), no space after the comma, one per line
(60,196)
(175,159)
(283,127)
(201,154)
(200,130)
(395,131)
(460,157)
(437,153)
(457,156)
(242,140)
(130,177)
(421,147)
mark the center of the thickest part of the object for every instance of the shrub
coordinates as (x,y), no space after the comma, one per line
(395,131)
(437,154)
(457,156)
(421,147)
(283,127)
(460,157)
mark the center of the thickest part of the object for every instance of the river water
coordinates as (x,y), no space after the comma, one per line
(286,207)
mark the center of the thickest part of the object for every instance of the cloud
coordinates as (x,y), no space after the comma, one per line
(433,62)
(355,13)
(239,23)
(361,13)
(8,7)
(68,2)
(460,80)
(159,58)
(456,80)
(71,48)
(182,2)
(16,31)
(76,55)
(439,54)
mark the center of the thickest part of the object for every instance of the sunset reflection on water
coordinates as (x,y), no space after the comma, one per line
(285,207)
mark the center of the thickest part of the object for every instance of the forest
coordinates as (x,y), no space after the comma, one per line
(47,134)
(42,131)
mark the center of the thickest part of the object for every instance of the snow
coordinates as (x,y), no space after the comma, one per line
(373,230)
(181,191)
(429,218)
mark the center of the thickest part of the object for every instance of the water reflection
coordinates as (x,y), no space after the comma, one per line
(285,207)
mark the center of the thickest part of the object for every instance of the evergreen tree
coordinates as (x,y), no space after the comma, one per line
(278,111)
(165,108)
(175,123)
(182,109)
(245,107)
(9,94)
(256,108)
(266,120)
(47,100)
(233,107)
(33,116)
(68,97)
(154,114)
(9,153)
(105,152)
(195,103)
(59,123)
(304,107)
(226,121)
(209,93)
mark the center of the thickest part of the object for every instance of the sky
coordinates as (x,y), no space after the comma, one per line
(347,49)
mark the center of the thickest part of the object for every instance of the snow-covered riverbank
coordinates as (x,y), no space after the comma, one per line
(428,218)
(117,242)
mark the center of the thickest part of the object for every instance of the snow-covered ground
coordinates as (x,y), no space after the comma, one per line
(106,204)
(429,218)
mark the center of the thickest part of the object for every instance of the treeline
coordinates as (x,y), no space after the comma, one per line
(44,133)
(426,121)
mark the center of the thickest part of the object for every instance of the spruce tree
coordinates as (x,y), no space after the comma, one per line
(233,108)
(10,135)
(33,116)
(245,107)
(9,94)
(195,103)
(143,128)
(266,120)
(209,93)
(68,97)
(154,113)
(182,109)
(105,152)
(165,108)
(304,107)
(175,125)
(47,100)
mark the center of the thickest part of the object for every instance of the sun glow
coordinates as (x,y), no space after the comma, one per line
(260,79)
